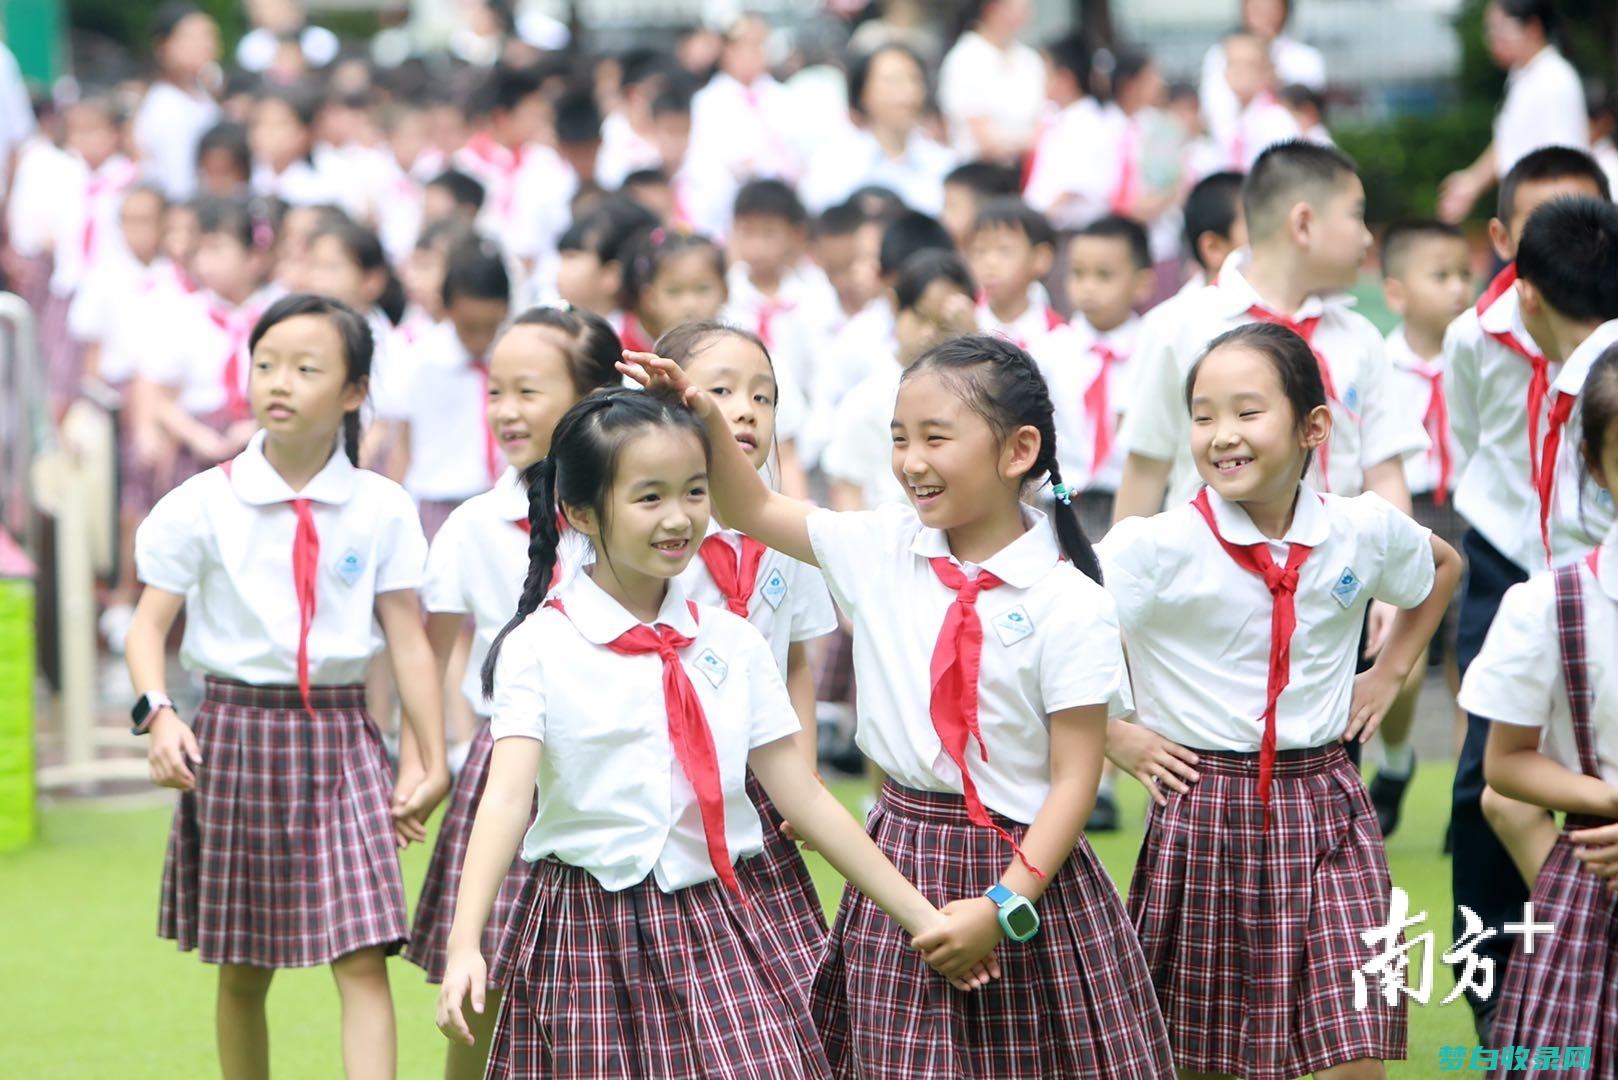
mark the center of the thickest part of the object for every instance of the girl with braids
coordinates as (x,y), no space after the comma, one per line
(669,278)
(287,559)
(989,663)
(1243,611)
(784,599)
(639,714)
(543,363)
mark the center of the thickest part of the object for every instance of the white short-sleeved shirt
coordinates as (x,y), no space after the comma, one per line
(168,126)
(1413,383)
(980,80)
(1517,678)
(1260,124)
(860,451)
(16,112)
(300,184)
(445,400)
(1038,320)
(225,544)
(1294,62)
(189,339)
(1581,510)
(865,345)
(857,160)
(1544,106)
(88,230)
(1074,171)
(790,601)
(105,296)
(793,324)
(745,129)
(1364,431)
(613,799)
(1486,386)
(1197,625)
(623,151)
(1071,361)
(44,171)
(1050,643)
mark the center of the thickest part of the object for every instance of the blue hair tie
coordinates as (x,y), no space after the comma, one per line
(1064,494)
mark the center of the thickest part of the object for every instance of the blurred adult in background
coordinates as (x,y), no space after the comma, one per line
(1544,103)
(991,86)
(1293,61)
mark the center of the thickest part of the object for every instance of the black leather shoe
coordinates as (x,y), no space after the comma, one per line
(1387,796)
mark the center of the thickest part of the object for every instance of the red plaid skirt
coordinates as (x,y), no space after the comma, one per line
(1074,1001)
(1565,993)
(283,856)
(1252,937)
(643,983)
(435,910)
(786,893)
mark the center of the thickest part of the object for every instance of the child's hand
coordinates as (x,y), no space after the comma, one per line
(414,796)
(655,372)
(1374,692)
(1597,849)
(961,947)
(792,834)
(172,752)
(465,976)
(1378,627)
(1156,762)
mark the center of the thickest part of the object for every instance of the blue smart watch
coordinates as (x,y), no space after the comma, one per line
(1018,918)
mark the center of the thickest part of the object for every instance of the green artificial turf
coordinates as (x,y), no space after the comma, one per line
(93,992)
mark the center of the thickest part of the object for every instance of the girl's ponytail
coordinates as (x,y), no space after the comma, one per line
(351,436)
(543,540)
(1065,518)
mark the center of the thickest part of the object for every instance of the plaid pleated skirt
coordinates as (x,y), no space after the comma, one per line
(1565,993)
(1075,1000)
(435,910)
(283,857)
(1252,936)
(647,984)
(779,881)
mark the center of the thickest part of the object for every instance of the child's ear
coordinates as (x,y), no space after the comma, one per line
(355,392)
(1529,299)
(1019,452)
(1300,222)
(1145,285)
(1316,428)
(582,519)
(1044,256)
(1393,290)
(1500,240)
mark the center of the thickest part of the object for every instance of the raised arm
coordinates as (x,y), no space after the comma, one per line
(741,498)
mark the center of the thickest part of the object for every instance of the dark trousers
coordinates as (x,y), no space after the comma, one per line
(1482,875)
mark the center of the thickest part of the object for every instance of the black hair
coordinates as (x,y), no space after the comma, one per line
(1546,164)
(1001,383)
(1402,235)
(859,71)
(651,176)
(984,179)
(363,247)
(147,188)
(1289,172)
(844,219)
(1127,66)
(1211,208)
(592,350)
(168,17)
(230,138)
(475,269)
(1569,252)
(450,232)
(465,190)
(300,98)
(1599,409)
(652,248)
(1010,212)
(925,267)
(358,348)
(1127,229)
(580,471)
(250,222)
(673,99)
(770,198)
(1071,55)
(1540,11)
(1297,96)
(907,234)
(877,203)
(578,120)
(606,229)
(1291,356)
(502,90)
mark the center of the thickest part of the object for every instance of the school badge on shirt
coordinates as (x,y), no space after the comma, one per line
(350,566)
(1013,626)
(713,669)
(775,589)
(1346,588)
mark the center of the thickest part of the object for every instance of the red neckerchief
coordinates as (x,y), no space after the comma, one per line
(956,663)
(734,573)
(689,734)
(1282,581)
(1098,407)
(1539,380)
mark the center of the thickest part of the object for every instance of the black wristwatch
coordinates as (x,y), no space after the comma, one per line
(145,709)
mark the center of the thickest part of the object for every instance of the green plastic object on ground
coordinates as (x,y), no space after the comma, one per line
(17,822)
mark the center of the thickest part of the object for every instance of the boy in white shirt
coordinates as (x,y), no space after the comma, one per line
(1010,253)
(1262,121)
(1065,179)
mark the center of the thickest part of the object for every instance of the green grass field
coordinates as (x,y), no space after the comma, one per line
(92,991)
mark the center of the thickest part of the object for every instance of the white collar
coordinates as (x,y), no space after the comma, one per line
(600,619)
(1120,339)
(255,481)
(510,496)
(1539,59)
(1309,526)
(1504,316)
(1233,285)
(1022,564)
(1577,367)
(1402,356)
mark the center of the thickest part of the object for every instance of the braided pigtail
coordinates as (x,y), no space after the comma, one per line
(543,540)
